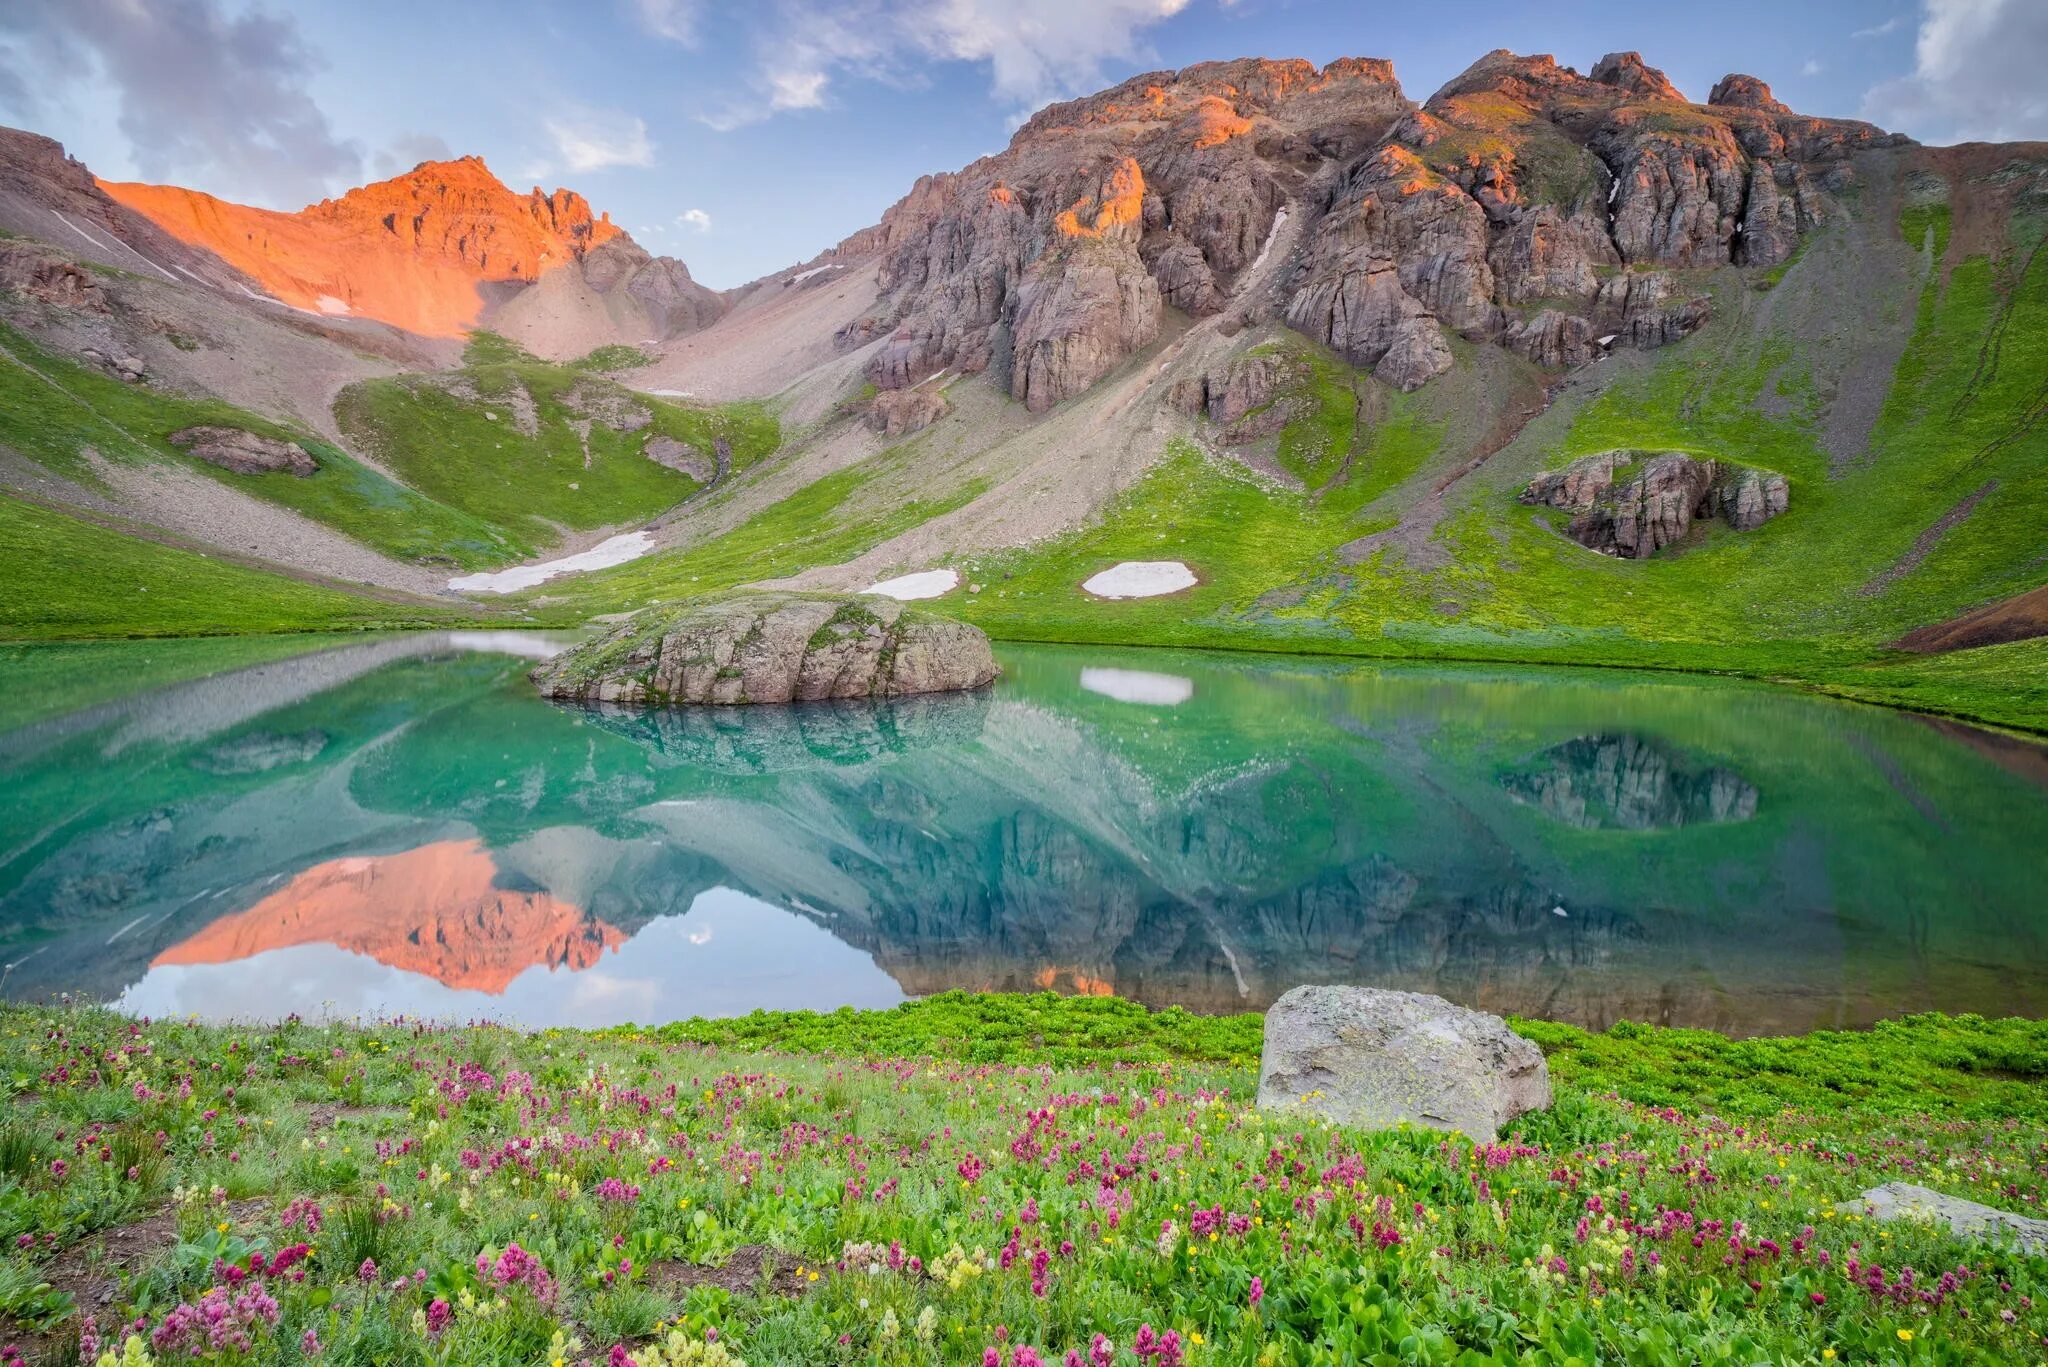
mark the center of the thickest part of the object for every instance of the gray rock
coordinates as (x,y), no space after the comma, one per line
(245,453)
(899,412)
(1374,1059)
(771,648)
(1971,1220)
(1664,494)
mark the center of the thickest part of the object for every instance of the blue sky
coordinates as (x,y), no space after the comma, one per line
(744,137)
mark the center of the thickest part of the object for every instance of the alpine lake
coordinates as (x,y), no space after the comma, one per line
(399,826)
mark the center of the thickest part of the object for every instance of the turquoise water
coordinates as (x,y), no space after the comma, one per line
(399,825)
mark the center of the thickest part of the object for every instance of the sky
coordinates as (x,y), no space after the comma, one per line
(744,136)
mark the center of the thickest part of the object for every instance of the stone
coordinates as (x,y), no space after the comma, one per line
(1664,494)
(899,412)
(681,457)
(1745,92)
(245,453)
(771,648)
(1375,1059)
(1966,1219)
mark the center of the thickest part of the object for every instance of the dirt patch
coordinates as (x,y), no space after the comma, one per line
(740,1274)
(91,1269)
(327,1115)
(2020,618)
(1925,543)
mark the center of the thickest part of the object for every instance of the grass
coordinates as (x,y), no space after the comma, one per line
(458,438)
(55,411)
(459,1197)
(828,521)
(615,357)
(70,578)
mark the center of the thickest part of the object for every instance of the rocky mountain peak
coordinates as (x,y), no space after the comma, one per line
(1736,91)
(1525,205)
(1627,72)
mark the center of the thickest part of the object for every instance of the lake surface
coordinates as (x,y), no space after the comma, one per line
(399,825)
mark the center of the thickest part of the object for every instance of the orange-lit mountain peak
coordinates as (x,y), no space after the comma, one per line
(412,251)
(434,910)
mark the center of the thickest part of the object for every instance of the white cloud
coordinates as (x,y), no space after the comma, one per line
(1034,52)
(1812,67)
(695,218)
(1977,68)
(675,20)
(1891,25)
(592,139)
(202,95)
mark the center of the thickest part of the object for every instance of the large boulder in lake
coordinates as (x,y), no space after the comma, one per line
(1374,1059)
(772,648)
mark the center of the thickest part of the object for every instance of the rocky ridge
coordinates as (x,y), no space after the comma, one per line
(428,251)
(1523,205)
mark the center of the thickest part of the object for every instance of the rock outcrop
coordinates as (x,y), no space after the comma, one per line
(1519,183)
(245,453)
(1374,1059)
(771,648)
(1634,503)
(1966,1219)
(899,412)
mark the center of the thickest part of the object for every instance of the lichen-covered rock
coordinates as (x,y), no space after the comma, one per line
(1553,338)
(899,412)
(1635,503)
(245,453)
(1968,1219)
(682,457)
(771,648)
(1375,1059)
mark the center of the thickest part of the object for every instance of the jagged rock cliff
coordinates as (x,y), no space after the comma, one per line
(1524,205)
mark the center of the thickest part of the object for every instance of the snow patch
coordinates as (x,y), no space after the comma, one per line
(1279,221)
(1608,340)
(802,276)
(615,550)
(907,588)
(328,304)
(1141,579)
(1138,685)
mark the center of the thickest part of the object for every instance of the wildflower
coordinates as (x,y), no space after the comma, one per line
(1905,1336)
(1258,1292)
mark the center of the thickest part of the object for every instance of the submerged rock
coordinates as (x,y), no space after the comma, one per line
(1634,503)
(771,648)
(245,453)
(1376,1059)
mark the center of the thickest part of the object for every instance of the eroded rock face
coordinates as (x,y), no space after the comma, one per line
(1520,183)
(1633,503)
(245,453)
(1374,1059)
(771,648)
(899,412)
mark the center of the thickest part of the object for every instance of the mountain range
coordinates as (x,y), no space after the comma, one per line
(1550,365)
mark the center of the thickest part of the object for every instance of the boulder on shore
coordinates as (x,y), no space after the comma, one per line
(771,648)
(1376,1059)
(245,453)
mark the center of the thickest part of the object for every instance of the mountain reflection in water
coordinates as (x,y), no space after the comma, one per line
(403,826)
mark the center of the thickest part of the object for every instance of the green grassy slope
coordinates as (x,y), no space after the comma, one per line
(458,438)
(53,411)
(67,577)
